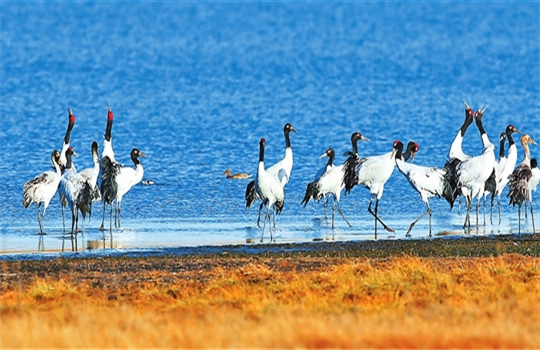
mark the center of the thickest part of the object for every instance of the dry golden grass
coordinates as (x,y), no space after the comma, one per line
(291,302)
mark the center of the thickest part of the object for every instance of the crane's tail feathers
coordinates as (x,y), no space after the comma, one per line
(109,187)
(279,206)
(350,175)
(518,186)
(491,183)
(452,190)
(84,200)
(251,194)
(312,192)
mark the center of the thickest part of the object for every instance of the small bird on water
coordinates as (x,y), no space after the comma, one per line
(236,176)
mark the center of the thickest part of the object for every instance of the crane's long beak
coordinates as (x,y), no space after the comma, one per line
(364,138)
(323,155)
(293,129)
(75,154)
(413,155)
(142,154)
(533,142)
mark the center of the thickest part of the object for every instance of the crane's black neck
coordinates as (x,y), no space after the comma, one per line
(68,131)
(94,148)
(501,147)
(135,157)
(408,151)
(354,143)
(399,151)
(261,152)
(331,156)
(509,132)
(286,132)
(480,126)
(108,130)
(68,159)
(466,123)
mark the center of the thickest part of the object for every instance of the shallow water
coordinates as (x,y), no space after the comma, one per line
(194,86)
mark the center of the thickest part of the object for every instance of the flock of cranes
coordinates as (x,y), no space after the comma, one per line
(107,181)
(470,177)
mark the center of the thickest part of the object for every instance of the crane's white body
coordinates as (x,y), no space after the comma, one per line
(281,171)
(373,172)
(41,189)
(427,181)
(270,191)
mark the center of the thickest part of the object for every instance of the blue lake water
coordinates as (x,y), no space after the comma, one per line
(195,86)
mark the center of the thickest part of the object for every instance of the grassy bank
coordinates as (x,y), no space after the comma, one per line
(477,293)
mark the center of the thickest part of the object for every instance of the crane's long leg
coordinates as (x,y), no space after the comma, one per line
(343,216)
(110,219)
(377,218)
(275,214)
(477,212)
(375,215)
(271,231)
(491,212)
(525,209)
(333,210)
(519,219)
(118,213)
(467,215)
(485,200)
(102,228)
(532,217)
(429,220)
(325,207)
(63,217)
(259,216)
(39,219)
(428,210)
(267,216)
(499,206)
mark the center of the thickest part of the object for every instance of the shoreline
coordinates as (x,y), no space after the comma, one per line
(444,246)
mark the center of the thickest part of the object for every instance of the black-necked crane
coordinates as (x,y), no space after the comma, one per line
(490,187)
(42,188)
(281,171)
(519,180)
(92,174)
(427,181)
(328,181)
(373,172)
(72,186)
(62,161)
(67,136)
(353,160)
(327,177)
(269,190)
(127,178)
(107,137)
(473,172)
(109,169)
(505,166)
(456,154)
